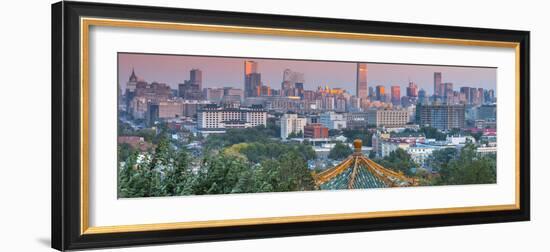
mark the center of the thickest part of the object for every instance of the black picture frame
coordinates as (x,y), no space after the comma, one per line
(66,155)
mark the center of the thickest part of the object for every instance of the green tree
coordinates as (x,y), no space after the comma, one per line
(290,173)
(294,174)
(363,134)
(430,132)
(340,151)
(124,151)
(439,160)
(399,160)
(468,168)
(220,175)
(179,179)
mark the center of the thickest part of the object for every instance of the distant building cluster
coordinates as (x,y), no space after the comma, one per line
(312,114)
(421,148)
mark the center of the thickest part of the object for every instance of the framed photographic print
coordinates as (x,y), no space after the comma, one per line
(180,125)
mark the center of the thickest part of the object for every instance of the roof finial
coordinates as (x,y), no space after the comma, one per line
(133,76)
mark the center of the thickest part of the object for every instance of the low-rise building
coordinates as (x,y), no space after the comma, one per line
(135,142)
(356,120)
(315,131)
(486,150)
(387,117)
(333,120)
(219,117)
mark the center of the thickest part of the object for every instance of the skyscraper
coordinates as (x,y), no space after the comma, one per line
(253,83)
(422,97)
(372,94)
(481,96)
(192,88)
(395,95)
(380,93)
(196,78)
(250,67)
(252,79)
(412,89)
(293,83)
(466,92)
(361,85)
(447,89)
(437,84)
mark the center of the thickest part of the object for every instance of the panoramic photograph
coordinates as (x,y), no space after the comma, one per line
(204,125)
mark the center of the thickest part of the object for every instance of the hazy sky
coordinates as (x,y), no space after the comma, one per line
(224,71)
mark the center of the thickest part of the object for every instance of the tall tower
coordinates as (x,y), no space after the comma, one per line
(361,85)
(437,84)
(252,79)
(412,89)
(196,78)
(380,93)
(448,89)
(250,67)
(395,95)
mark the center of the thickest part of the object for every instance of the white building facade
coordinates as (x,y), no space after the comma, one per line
(217,117)
(333,120)
(291,123)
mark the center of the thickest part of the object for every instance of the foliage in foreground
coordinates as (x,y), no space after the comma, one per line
(241,168)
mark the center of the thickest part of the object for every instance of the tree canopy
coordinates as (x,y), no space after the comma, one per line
(340,151)
(464,167)
(398,160)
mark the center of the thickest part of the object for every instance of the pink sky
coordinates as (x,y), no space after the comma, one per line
(226,71)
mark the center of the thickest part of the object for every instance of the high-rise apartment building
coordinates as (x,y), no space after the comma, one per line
(441,116)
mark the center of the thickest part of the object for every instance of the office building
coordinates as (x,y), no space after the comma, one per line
(380,93)
(412,89)
(192,89)
(387,117)
(437,84)
(361,85)
(356,120)
(252,79)
(395,95)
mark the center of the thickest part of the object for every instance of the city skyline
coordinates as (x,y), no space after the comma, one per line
(228,72)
